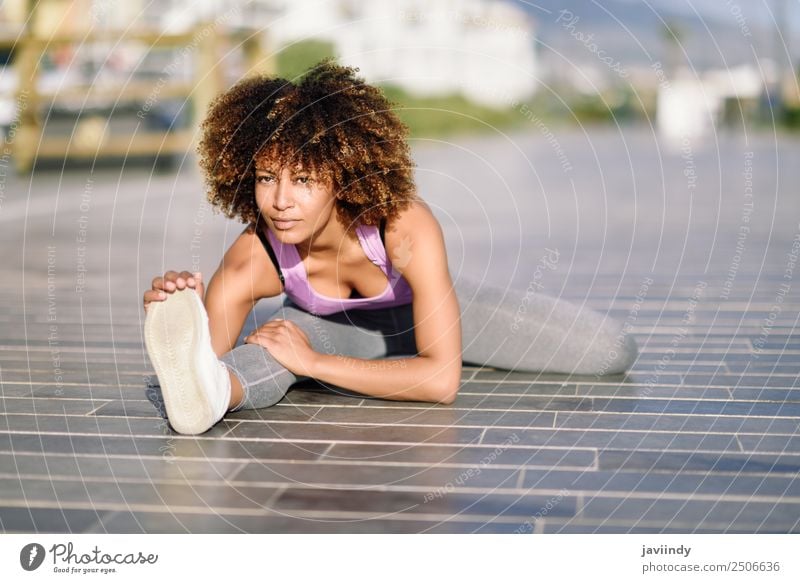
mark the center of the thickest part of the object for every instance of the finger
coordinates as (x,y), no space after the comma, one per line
(188,278)
(261,340)
(154,296)
(271,325)
(158,283)
(264,333)
(170,280)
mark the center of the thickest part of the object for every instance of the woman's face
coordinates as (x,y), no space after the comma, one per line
(295,203)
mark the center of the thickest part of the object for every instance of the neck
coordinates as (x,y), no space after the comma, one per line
(326,240)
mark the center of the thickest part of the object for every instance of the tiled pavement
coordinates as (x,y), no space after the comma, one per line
(701,436)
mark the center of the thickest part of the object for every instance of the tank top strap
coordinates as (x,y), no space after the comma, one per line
(374,249)
(288,263)
(270,251)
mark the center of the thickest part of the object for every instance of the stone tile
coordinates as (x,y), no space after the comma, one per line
(375,503)
(471,456)
(705,462)
(102,495)
(697,407)
(279,412)
(620,440)
(731,380)
(771,368)
(105,392)
(298,396)
(48,520)
(771,443)
(663,483)
(45,375)
(67,424)
(434,416)
(335,432)
(653,392)
(777,514)
(766,394)
(126,409)
(553,526)
(178,446)
(524,403)
(15,390)
(517,388)
(322,474)
(34,406)
(116,468)
(150,522)
(694,423)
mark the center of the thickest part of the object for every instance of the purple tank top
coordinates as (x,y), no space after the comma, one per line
(296,286)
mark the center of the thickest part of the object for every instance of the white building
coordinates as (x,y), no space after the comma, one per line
(482,48)
(689,106)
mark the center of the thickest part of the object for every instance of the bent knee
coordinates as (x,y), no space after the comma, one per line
(247,356)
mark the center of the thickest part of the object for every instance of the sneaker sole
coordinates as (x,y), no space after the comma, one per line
(172,334)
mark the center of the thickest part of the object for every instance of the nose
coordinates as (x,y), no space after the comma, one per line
(283,194)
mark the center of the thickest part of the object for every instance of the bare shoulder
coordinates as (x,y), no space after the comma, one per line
(417,216)
(415,243)
(247,269)
(415,223)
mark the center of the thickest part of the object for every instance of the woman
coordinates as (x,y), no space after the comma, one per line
(320,171)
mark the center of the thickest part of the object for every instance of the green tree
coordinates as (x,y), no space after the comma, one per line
(297,58)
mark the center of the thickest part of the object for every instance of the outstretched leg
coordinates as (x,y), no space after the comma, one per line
(365,334)
(522,330)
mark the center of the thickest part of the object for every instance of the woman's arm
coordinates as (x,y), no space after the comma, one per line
(244,276)
(416,247)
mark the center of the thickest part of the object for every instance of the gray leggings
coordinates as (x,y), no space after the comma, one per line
(502,328)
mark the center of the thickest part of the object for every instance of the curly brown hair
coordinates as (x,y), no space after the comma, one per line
(329,122)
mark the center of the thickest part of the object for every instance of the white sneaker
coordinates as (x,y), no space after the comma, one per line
(196,386)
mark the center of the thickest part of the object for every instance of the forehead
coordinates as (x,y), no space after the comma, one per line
(267,165)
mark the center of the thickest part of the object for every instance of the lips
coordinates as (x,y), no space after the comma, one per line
(284,224)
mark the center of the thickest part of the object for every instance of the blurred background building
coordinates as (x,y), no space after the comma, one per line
(85,79)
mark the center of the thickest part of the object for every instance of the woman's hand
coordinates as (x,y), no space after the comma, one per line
(287,343)
(170,283)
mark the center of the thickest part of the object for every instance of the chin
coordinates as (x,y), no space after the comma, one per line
(292,236)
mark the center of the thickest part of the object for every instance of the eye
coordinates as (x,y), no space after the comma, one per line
(303,179)
(264,178)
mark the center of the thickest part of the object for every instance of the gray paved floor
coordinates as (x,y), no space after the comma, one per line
(701,436)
